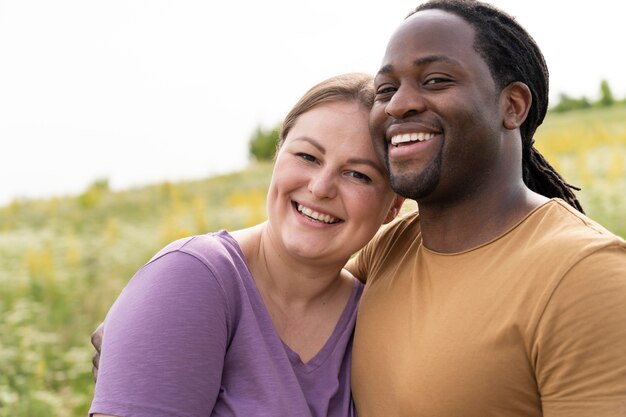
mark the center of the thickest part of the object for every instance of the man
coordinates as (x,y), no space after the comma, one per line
(499,298)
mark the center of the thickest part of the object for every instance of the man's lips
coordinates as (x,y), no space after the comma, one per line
(406,132)
(403,138)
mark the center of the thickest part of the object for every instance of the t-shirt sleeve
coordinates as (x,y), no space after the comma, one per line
(164,342)
(359,264)
(366,263)
(581,340)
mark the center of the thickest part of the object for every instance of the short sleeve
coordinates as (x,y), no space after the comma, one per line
(164,342)
(358,265)
(581,340)
(393,239)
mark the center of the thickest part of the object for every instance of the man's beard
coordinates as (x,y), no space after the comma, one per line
(416,186)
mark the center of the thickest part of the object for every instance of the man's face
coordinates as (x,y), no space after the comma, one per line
(436,120)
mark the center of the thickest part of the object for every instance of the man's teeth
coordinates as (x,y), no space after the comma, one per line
(317,216)
(411,137)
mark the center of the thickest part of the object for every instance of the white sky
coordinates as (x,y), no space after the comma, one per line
(144,91)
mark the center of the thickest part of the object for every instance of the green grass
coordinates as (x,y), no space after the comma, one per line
(589,149)
(64,260)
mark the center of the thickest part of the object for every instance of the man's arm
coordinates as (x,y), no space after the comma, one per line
(581,338)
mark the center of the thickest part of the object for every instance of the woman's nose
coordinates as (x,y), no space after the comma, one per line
(323,184)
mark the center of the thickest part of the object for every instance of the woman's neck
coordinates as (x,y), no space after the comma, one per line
(304,300)
(289,281)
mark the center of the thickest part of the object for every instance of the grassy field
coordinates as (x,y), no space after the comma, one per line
(589,149)
(64,260)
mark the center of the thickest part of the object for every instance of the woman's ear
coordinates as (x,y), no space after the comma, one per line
(394,209)
(516,99)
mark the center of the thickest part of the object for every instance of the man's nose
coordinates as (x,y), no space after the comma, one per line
(407,100)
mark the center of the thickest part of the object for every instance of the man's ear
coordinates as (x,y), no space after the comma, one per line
(394,209)
(516,101)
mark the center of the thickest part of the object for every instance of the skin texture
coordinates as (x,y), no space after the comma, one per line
(440,91)
(323,167)
(433,82)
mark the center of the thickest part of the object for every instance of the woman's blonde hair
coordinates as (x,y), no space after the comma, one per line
(352,87)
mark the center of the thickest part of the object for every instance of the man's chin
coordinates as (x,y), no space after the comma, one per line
(412,185)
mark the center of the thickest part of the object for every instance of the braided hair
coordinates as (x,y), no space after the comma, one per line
(512,55)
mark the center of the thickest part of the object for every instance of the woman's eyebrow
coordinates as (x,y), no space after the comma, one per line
(368,162)
(312,142)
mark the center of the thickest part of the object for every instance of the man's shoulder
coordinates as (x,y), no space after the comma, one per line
(560,223)
(405,224)
(560,236)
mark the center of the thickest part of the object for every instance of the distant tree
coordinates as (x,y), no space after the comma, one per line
(263,143)
(94,192)
(606,95)
(567,103)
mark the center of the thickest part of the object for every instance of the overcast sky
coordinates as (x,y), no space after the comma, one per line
(145,91)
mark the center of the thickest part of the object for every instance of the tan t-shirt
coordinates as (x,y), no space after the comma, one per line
(532,322)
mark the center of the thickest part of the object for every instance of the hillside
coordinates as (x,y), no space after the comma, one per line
(64,260)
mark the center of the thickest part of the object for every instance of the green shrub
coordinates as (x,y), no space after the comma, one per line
(263,144)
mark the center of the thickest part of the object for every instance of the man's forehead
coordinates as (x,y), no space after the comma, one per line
(430,33)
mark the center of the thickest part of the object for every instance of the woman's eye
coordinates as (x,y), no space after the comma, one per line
(359,176)
(307,157)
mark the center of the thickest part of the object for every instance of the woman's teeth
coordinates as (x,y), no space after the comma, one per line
(325,218)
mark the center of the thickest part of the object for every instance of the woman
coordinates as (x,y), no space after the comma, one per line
(259,321)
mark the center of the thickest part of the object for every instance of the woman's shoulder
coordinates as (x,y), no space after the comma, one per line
(210,248)
(212,256)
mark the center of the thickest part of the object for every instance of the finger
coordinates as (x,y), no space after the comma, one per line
(96,337)
(95,360)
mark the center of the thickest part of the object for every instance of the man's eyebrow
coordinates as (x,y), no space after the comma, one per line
(435,58)
(386,69)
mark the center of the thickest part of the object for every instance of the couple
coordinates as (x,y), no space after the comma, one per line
(499,298)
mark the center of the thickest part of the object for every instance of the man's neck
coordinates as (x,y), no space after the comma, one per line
(465,224)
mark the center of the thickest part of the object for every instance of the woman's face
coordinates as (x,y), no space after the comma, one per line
(329,192)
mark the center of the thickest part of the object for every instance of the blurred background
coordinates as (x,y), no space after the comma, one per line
(127,124)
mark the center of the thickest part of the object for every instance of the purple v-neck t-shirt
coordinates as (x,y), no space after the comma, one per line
(190,336)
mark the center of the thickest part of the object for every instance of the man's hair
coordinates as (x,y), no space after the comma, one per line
(512,55)
(351,87)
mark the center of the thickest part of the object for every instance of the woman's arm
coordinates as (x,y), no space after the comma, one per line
(166,338)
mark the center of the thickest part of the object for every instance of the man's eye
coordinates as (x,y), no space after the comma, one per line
(436,80)
(385,89)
